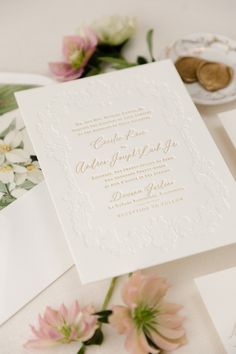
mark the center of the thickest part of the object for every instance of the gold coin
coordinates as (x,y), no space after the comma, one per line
(214,76)
(187,67)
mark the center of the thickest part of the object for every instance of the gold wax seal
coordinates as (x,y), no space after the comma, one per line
(187,67)
(214,76)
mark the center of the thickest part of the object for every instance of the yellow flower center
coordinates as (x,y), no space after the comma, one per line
(31,167)
(5,148)
(5,169)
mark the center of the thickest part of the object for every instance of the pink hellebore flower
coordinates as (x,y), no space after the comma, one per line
(150,324)
(65,325)
(77,51)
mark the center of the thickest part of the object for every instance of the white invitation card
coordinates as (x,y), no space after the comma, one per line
(228,120)
(218,292)
(134,174)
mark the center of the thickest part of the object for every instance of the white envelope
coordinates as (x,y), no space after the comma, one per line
(218,291)
(228,120)
(33,252)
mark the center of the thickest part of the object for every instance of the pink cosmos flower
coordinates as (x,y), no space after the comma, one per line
(147,320)
(64,326)
(77,51)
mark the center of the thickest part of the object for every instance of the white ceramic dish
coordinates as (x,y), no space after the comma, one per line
(211,47)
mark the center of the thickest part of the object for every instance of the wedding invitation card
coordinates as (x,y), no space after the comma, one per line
(218,292)
(135,177)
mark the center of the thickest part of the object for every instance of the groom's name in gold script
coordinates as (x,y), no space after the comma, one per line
(149,190)
(101,141)
(127,156)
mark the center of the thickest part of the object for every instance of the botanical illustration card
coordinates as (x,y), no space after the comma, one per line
(135,176)
(218,292)
(19,168)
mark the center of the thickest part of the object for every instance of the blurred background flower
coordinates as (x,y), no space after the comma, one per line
(77,51)
(114,30)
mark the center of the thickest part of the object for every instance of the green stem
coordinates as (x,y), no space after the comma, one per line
(7,189)
(82,349)
(109,293)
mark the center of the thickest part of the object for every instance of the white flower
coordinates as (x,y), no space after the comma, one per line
(34,173)
(9,148)
(30,172)
(6,174)
(114,30)
(9,172)
(17,191)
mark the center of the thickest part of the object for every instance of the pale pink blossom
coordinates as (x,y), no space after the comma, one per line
(149,323)
(77,50)
(65,325)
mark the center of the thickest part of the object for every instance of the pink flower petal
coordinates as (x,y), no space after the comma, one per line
(73,312)
(44,325)
(91,37)
(136,343)
(64,72)
(170,321)
(170,333)
(39,344)
(163,343)
(70,45)
(63,312)
(37,333)
(170,308)
(131,288)
(121,319)
(153,289)
(51,316)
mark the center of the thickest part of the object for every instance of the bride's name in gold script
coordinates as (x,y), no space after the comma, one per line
(134,153)
(149,190)
(101,141)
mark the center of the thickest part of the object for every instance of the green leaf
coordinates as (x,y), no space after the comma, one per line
(110,50)
(141,60)
(103,316)
(103,313)
(2,187)
(117,63)
(11,126)
(7,98)
(92,71)
(149,39)
(6,200)
(96,339)
(27,185)
(82,350)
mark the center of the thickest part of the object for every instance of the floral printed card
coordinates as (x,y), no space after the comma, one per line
(218,292)
(19,168)
(133,172)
